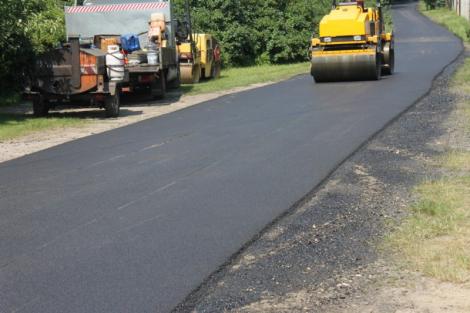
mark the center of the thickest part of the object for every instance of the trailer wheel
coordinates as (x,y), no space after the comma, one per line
(113,104)
(41,108)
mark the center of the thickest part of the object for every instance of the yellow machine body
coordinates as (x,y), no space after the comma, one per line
(351,45)
(200,61)
(344,21)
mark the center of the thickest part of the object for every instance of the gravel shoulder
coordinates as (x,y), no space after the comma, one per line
(322,255)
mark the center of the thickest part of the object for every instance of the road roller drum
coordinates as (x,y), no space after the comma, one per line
(190,73)
(341,66)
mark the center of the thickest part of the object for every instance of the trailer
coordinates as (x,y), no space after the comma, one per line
(113,46)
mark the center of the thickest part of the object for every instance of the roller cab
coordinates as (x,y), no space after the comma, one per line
(352,45)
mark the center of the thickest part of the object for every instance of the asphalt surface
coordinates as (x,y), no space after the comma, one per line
(136,218)
(323,255)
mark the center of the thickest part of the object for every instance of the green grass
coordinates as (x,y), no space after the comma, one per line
(436,237)
(14,125)
(457,160)
(461,78)
(456,24)
(460,84)
(245,76)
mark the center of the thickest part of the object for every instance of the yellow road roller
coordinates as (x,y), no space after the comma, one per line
(198,54)
(199,57)
(352,45)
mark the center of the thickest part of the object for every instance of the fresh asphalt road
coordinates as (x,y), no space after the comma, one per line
(134,219)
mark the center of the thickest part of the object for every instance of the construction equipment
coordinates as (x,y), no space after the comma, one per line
(199,58)
(199,55)
(113,46)
(352,44)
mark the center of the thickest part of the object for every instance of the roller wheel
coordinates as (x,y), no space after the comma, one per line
(389,60)
(216,69)
(346,67)
(112,105)
(190,74)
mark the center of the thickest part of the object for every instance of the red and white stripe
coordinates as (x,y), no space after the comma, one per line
(117,7)
(89,69)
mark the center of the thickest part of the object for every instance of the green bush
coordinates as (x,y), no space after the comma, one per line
(258,32)
(441,3)
(430,4)
(29,27)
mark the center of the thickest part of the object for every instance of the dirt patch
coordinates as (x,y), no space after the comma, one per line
(419,294)
(133,110)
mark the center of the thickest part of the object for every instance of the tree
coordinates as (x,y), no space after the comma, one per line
(29,27)
(258,32)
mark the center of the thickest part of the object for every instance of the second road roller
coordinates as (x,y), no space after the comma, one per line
(199,54)
(199,57)
(352,45)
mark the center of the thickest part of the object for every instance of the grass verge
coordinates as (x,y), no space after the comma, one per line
(14,125)
(245,76)
(449,19)
(435,239)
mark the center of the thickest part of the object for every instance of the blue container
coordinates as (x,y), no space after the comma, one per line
(130,42)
